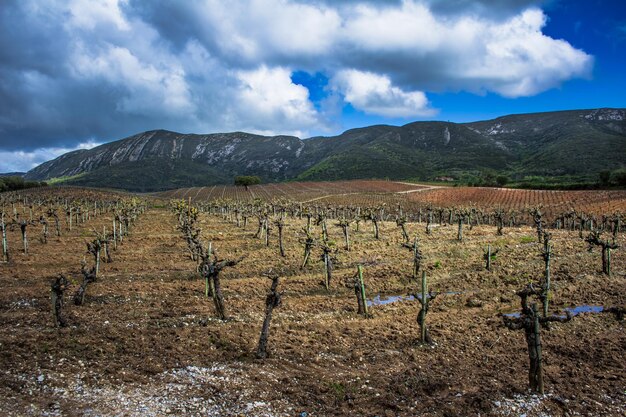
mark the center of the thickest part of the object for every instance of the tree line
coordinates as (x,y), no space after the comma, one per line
(14,183)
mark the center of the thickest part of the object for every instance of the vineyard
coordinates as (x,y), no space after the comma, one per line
(297,191)
(313,299)
(413,197)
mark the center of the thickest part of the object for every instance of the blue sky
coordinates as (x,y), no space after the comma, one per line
(78,73)
(597,26)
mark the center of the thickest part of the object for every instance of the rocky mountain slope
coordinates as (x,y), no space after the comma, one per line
(572,144)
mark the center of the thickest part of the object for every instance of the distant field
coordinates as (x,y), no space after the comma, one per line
(296,191)
(413,196)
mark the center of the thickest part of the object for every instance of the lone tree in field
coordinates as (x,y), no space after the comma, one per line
(530,321)
(595,239)
(272,300)
(210,270)
(247,180)
(58,287)
(88,278)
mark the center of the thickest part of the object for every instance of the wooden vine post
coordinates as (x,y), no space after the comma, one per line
(272,300)
(211,270)
(462,216)
(417,256)
(308,242)
(595,239)
(401,223)
(328,264)
(345,227)
(208,283)
(5,243)
(424,298)
(88,278)
(280,223)
(498,215)
(538,219)
(52,212)
(530,321)
(58,287)
(547,255)
(359,289)
(23,225)
(488,255)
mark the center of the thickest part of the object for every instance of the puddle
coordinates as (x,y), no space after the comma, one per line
(381,301)
(574,311)
(378,301)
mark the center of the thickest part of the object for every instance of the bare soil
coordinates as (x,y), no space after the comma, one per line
(146,342)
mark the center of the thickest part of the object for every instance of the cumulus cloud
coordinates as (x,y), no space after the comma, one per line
(268,96)
(106,69)
(374,94)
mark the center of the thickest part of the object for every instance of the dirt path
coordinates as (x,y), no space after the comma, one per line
(425,188)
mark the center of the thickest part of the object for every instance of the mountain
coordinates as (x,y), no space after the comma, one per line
(568,145)
(12,174)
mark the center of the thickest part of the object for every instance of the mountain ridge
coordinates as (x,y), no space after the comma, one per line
(568,143)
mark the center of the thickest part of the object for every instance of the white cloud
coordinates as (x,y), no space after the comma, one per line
(22,161)
(88,14)
(149,89)
(374,94)
(410,27)
(261,30)
(267,96)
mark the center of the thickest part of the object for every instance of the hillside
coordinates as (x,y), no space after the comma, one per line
(567,145)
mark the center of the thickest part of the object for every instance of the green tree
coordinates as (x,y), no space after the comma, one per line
(502,180)
(247,180)
(620,176)
(604,177)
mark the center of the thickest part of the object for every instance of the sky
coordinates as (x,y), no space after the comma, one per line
(78,73)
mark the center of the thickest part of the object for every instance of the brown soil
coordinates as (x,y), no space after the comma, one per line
(146,341)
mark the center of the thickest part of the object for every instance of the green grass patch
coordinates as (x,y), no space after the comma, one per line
(527,239)
(61,180)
